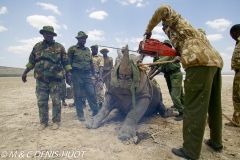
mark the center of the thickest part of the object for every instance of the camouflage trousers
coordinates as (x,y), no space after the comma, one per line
(54,89)
(107,78)
(236,98)
(98,85)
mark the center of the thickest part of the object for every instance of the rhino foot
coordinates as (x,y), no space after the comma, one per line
(168,113)
(126,133)
(92,124)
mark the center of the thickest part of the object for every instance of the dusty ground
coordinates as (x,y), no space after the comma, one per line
(20,138)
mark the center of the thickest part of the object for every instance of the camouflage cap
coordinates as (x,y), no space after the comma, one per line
(48,29)
(104,50)
(81,34)
(167,42)
(95,45)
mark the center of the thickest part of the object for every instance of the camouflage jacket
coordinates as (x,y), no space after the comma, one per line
(80,58)
(98,62)
(48,61)
(236,56)
(191,43)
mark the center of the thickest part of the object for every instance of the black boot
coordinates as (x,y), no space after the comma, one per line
(179,117)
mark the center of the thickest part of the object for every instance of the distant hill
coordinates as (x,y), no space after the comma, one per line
(13,72)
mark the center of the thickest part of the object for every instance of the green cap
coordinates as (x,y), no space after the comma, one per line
(95,45)
(167,42)
(104,50)
(81,34)
(48,29)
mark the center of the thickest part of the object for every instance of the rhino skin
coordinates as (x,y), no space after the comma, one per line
(148,99)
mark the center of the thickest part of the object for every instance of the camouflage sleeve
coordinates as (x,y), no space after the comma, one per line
(65,60)
(236,57)
(164,12)
(31,61)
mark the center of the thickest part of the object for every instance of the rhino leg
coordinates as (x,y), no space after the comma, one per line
(107,107)
(128,130)
(163,110)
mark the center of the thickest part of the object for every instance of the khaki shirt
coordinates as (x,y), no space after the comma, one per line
(80,58)
(192,44)
(108,63)
(236,56)
(98,61)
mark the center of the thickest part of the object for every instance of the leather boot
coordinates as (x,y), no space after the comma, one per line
(179,117)
(42,127)
(55,126)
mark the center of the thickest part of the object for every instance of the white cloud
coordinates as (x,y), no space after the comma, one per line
(3,10)
(64,26)
(139,5)
(96,35)
(159,37)
(38,21)
(48,6)
(158,29)
(2,29)
(124,3)
(214,37)
(103,1)
(2,57)
(230,48)
(98,15)
(219,24)
(136,40)
(118,40)
(25,47)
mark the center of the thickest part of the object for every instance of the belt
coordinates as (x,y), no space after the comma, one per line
(174,71)
(81,71)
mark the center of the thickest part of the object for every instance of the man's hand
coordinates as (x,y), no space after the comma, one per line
(68,78)
(24,77)
(148,35)
(96,77)
(177,59)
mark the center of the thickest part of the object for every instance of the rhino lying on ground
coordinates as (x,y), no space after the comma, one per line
(133,94)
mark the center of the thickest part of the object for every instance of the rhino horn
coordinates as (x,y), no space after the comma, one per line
(125,65)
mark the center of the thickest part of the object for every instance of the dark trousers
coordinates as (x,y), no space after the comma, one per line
(82,82)
(202,96)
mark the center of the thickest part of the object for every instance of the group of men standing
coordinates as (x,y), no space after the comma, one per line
(86,70)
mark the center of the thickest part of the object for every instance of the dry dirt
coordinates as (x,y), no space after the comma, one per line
(20,138)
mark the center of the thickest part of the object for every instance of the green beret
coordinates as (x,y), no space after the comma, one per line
(81,34)
(104,49)
(48,29)
(95,45)
(167,42)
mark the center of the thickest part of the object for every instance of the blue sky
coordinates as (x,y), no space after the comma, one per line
(112,23)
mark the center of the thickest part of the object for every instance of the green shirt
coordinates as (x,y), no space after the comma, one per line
(80,58)
(169,66)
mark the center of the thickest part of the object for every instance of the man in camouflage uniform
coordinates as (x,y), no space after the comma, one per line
(82,70)
(98,63)
(235,34)
(108,66)
(202,84)
(48,58)
(173,76)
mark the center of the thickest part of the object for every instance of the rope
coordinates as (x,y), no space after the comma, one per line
(231,120)
(142,66)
